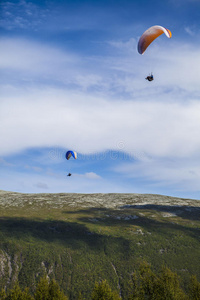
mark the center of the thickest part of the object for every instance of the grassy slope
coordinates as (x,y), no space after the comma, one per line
(79,239)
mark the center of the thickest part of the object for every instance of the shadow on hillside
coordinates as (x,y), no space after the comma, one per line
(186,212)
(111,217)
(69,234)
(75,235)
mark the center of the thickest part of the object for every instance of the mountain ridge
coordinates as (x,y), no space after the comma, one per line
(115,199)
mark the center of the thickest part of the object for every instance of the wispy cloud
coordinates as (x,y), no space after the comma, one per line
(32,62)
(4,163)
(41,185)
(22,15)
(33,168)
(114,74)
(190,31)
(174,173)
(89,175)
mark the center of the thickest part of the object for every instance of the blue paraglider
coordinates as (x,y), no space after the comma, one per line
(71,153)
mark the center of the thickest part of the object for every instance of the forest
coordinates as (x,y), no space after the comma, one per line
(145,284)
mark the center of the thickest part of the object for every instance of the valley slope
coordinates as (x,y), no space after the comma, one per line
(82,238)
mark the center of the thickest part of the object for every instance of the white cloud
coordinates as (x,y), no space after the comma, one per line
(4,163)
(100,103)
(89,175)
(25,62)
(33,168)
(42,185)
(115,74)
(22,15)
(36,118)
(128,46)
(180,174)
(33,58)
(189,31)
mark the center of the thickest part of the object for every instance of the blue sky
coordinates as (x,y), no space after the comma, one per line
(72,79)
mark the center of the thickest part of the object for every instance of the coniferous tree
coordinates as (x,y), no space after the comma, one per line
(46,290)
(133,288)
(194,288)
(55,292)
(42,289)
(164,286)
(17,294)
(2,294)
(147,281)
(102,291)
(80,297)
(168,286)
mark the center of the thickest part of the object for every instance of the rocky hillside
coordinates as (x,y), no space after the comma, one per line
(115,201)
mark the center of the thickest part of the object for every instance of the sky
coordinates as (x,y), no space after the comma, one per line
(72,79)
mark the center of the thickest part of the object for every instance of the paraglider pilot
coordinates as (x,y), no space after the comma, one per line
(149,77)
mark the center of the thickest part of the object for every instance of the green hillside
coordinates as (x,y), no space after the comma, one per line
(79,239)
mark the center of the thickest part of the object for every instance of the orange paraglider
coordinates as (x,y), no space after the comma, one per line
(150,35)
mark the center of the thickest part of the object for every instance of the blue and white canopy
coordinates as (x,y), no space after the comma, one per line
(71,153)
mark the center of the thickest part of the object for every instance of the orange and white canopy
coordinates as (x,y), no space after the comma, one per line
(150,35)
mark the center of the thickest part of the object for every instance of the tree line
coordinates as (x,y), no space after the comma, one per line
(143,285)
